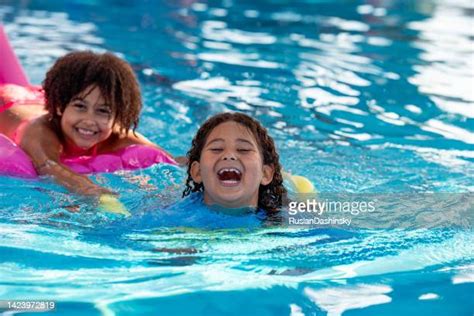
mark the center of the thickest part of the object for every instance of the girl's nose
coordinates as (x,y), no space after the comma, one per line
(229,155)
(91,117)
(88,119)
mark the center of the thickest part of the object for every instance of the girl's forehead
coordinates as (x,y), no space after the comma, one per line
(91,89)
(92,94)
(231,130)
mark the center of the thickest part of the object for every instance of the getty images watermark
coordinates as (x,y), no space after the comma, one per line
(381,210)
(327,212)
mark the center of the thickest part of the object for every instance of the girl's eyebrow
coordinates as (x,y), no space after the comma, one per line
(239,140)
(242,140)
(84,100)
(215,140)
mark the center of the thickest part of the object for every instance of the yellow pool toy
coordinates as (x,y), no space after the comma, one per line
(302,185)
(110,204)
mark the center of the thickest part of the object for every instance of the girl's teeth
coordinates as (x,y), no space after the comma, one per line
(85,132)
(230,181)
(229,170)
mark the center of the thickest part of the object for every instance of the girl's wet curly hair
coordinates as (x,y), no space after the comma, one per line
(74,72)
(270,197)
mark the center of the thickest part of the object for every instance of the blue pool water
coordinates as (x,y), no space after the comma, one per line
(363,97)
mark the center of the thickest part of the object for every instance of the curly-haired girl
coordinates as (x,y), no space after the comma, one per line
(234,163)
(89,105)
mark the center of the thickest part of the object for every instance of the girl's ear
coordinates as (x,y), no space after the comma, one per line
(268,172)
(195,172)
(58,112)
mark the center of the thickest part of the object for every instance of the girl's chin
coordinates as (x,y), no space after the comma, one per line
(231,200)
(83,146)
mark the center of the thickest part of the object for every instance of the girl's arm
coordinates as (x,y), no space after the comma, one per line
(42,144)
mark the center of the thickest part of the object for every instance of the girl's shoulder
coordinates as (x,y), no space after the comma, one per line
(37,136)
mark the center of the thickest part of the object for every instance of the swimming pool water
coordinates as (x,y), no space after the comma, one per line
(363,97)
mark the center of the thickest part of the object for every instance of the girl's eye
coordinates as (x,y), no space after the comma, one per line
(243,150)
(79,106)
(104,111)
(216,150)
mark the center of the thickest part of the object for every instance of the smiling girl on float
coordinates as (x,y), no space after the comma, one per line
(82,120)
(233,163)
